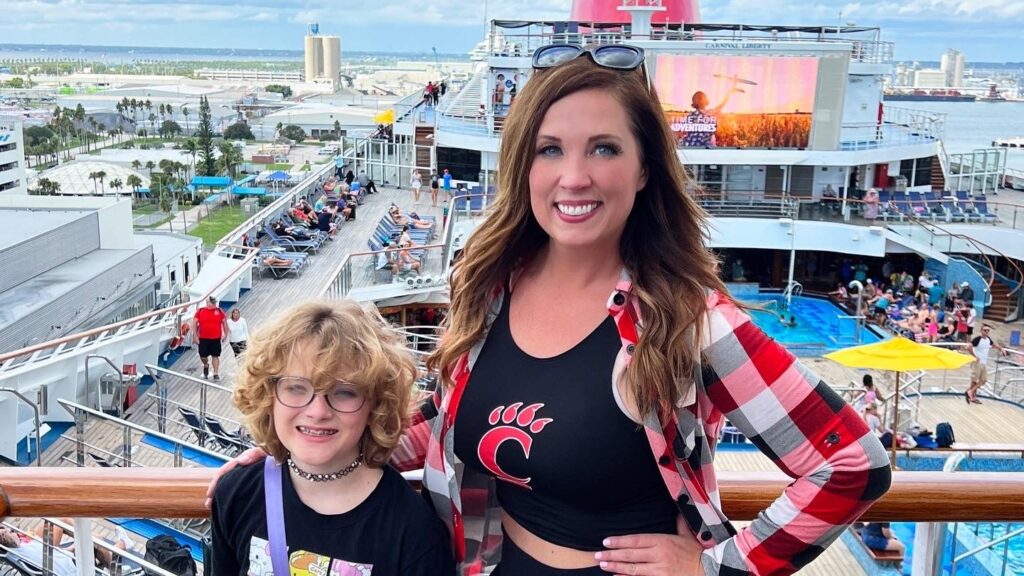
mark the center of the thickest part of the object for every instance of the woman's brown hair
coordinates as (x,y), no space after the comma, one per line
(662,246)
(351,343)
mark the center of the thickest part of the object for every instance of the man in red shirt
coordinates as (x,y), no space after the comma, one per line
(210,326)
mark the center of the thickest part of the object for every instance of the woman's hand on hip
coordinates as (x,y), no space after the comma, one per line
(652,554)
(250,456)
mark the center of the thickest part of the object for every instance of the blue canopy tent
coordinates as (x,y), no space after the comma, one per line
(279,176)
(250,191)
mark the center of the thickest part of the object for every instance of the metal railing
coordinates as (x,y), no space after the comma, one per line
(517,39)
(386,268)
(1009,535)
(82,414)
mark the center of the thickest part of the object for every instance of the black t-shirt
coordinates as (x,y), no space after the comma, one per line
(572,468)
(392,532)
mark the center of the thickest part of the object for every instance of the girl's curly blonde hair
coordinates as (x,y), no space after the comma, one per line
(350,343)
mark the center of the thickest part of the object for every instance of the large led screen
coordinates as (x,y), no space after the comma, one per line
(737,101)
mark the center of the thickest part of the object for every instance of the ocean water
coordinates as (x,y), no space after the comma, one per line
(973,125)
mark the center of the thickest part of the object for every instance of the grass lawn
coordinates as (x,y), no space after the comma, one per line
(145,209)
(277,166)
(215,226)
(158,223)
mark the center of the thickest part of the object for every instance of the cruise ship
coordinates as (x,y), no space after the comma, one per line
(107,426)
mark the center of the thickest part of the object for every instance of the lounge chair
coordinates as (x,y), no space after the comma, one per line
(18,564)
(292,244)
(934,206)
(981,205)
(953,211)
(963,200)
(194,424)
(101,461)
(230,441)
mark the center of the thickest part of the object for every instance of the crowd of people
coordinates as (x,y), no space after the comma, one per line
(918,308)
(433,91)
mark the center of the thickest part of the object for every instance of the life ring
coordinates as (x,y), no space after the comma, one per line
(178,340)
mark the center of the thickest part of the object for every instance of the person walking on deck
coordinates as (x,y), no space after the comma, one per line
(211,326)
(979,346)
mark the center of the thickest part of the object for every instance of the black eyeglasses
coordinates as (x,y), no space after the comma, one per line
(614,56)
(297,392)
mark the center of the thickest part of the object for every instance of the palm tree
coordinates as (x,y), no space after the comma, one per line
(149,166)
(116,185)
(101,175)
(94,176)
(136,165)
(192,147)
(184,112)
(134,182)
(230,157)
(152,121)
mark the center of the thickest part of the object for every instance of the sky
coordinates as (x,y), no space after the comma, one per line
(984,30)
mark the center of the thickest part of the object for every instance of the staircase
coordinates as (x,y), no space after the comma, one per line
(937,177)
(1003,305)
(424,141)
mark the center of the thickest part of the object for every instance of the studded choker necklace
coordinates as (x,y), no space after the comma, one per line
(326,477)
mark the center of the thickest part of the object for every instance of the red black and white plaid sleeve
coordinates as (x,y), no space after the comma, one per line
(838,466)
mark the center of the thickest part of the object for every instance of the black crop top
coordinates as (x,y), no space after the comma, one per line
(571,467)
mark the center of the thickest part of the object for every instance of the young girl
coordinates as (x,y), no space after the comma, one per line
(325,390)
(416,182)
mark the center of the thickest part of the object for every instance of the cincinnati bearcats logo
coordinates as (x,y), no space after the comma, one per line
(502,419)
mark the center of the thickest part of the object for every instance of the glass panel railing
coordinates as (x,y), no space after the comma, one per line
(418,266)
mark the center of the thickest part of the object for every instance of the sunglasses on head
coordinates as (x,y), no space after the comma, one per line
(614,56)
(622,57)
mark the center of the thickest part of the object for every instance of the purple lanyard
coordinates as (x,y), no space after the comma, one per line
(275,516)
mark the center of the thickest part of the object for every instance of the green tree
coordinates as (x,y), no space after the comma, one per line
(281,89)
(149,166)
(230,157)
(239,131)
(165,201)
(134,182)
(169,128)
(293,132)
(94,176)
(184,113)
(36,135)
(116,185)
(190,146)
(206,165)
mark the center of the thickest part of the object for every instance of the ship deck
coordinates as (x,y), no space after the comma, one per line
(992,421)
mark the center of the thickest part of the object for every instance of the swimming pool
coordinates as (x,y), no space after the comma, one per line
(821,326)
(969,535)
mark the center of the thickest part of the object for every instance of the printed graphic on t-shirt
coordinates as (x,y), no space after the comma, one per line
(302,563)
(698,129)
(510,424)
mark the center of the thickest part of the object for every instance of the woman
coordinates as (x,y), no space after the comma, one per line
(435,185)
(325,389)
(614,415)
(238,332)
(416,182)
(871,204)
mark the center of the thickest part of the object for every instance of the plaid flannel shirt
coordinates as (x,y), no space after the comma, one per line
(839,468)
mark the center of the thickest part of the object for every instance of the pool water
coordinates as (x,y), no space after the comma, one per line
(820,325)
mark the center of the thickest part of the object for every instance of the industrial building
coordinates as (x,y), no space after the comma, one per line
(323,58)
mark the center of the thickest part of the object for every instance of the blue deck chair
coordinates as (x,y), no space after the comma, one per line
(917,205)
(194,424)
(981,205)
(291,244)
(101,461)
(963,200)
(902,205)
(953,211)
(18,564)
(934,206)
(230,441)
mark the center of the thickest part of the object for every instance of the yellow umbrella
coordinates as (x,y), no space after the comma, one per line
(385,117)
(900,355)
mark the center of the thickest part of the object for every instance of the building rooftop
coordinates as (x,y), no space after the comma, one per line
(21,225)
